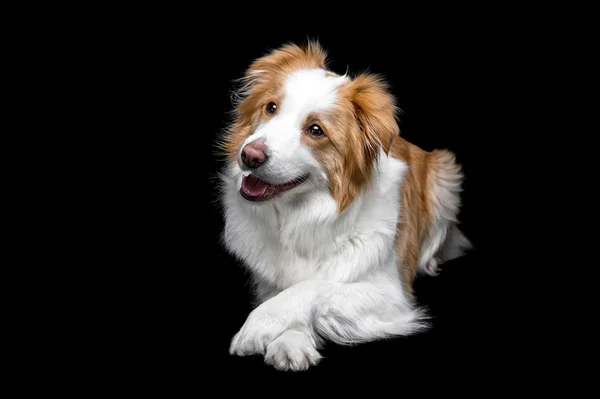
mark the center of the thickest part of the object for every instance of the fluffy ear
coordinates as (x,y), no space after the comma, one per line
(280,62)
(376,113)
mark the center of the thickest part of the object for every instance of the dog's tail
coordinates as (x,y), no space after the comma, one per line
(443,241)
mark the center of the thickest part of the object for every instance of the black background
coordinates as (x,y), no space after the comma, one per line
(179,298)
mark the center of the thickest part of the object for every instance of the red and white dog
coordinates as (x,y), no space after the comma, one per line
(329,208)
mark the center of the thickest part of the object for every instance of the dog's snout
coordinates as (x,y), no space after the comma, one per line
(254,154)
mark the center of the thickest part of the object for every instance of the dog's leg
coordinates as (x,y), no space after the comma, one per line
(443,240)
(289,327)
(290,309)
(345,314)
(294,350)
(365,311)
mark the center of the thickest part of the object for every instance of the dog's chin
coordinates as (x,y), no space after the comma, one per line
(255,189)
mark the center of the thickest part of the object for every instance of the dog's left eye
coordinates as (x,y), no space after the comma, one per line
(316,131)
(271,107)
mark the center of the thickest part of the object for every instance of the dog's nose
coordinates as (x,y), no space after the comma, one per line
(253,154)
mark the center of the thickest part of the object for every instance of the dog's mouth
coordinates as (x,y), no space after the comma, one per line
(255,189)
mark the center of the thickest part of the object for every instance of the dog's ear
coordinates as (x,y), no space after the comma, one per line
(376,112)
(277,63)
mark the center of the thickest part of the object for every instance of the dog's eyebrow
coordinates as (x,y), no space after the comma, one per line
(320,115)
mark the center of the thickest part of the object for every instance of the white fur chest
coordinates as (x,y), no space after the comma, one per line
(285,243)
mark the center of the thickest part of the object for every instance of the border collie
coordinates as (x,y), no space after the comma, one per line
(331,211)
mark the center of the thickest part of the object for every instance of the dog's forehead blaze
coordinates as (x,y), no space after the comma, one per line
(309,91)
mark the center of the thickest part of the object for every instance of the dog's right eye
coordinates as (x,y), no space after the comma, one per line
(271,107)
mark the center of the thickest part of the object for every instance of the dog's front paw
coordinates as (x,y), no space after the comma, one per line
(292,351)
(257,332)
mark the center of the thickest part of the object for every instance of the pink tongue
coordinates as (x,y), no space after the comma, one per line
(254,186)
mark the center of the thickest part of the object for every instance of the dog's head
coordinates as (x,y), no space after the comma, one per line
(299,127)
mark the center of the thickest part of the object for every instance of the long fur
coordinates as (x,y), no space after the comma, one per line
(334,258)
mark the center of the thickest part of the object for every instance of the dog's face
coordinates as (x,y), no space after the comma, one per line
(299,127)
(291,122)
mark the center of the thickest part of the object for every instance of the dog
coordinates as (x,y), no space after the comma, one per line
(331,211)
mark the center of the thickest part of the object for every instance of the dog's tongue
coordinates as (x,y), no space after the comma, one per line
(253,186)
